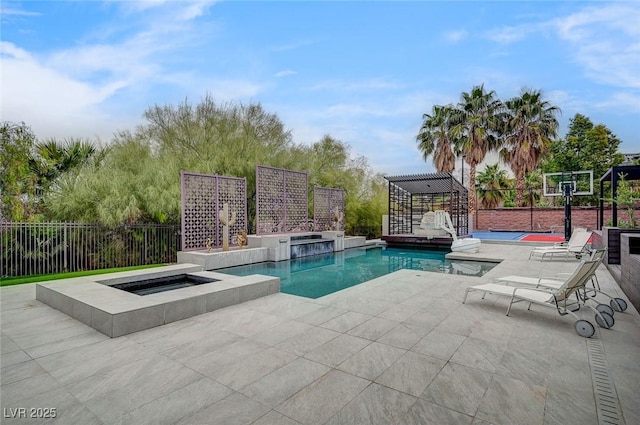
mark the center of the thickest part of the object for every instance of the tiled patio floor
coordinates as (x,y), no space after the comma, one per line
(401,349)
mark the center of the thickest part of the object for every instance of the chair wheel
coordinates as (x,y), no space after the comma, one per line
(584,328)
(618,304)
(603,308)
(605,320)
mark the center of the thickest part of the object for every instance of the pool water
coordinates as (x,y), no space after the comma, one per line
(320,275)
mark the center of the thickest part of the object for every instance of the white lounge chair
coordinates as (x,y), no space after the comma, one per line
(585,294)
(576,247)
(555,298)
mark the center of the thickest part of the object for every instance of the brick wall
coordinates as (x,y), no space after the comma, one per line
(541,219)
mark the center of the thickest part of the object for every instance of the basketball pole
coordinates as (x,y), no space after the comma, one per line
(568,191)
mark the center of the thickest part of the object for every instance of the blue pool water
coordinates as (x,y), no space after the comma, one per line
(320,275)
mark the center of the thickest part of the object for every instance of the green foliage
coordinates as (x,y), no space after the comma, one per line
(16,183)
(626,197)
(586,147)
(492,186)
(139,178)
(529,123)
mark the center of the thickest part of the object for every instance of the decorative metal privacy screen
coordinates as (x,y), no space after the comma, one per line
(282,200)
(328,208)
(203,196)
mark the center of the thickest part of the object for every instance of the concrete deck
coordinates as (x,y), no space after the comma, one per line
(400,349)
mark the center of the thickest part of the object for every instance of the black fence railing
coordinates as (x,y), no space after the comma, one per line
(28,249)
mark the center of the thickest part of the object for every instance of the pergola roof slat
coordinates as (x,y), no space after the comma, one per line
(418,184)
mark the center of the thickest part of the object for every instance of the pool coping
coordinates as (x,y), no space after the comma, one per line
(114,312)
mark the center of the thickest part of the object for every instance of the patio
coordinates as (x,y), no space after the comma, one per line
(400,349)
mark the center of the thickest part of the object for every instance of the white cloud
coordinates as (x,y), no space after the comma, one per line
(606,41)
(351,86)
(285,73)
(455,36)
(45,98)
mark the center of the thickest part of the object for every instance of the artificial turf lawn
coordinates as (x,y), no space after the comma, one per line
(7,281)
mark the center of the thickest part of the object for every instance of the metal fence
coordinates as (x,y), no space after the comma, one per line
(28,249)
(282,200)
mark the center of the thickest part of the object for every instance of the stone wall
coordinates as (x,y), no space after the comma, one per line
(540,219)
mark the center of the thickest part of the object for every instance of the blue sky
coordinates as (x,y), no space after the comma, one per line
(362,72)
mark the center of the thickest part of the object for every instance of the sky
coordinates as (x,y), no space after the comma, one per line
(361,72)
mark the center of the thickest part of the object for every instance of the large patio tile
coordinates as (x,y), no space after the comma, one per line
(337,350)
(289,306)
(376,405)
(361,303)
(439,344)
(400,312)
(479,354)
(97,365)
(458,387)
(14,357)
(184,350)
(282,332)
(84,353)
(510,401)
(282,383)
(67,410)
(178,404)
(424,412)
(402,336)
(12,394)
(411,373)
(372,360)
(211,363)
(7,345)
(65,344)
(253,368)
(525,365)
(316,403)
(626,383)
(275,418)
(570,407)
(111,406)
(234,409)
(250,322)
(19,371)
(119,377)
(346,321)
(373,328)
(321,315)
(307,341)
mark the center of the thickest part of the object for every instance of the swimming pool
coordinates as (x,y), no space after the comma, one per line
(320,275)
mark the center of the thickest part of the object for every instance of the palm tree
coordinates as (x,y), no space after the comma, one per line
(475,123)
(492,183)
(435,138)
(530,123)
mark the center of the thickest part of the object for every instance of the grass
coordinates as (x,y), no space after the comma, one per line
(8,281)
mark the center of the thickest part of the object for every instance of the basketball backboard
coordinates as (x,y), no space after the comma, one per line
(580,183)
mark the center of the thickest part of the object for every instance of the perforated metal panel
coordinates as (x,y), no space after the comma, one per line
(328,208)
(282,200)
(203,196)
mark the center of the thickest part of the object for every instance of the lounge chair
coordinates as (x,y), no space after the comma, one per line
(576,247)
(585,294)
(556,298)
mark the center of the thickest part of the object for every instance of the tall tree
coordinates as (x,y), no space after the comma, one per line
(435,137)
(585,147)
(493,183)
(16,183)
(529,125)
(476,121)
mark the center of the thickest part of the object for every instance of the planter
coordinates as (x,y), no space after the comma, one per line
(610,238)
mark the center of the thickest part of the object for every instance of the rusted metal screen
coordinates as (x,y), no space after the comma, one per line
(203,196)
(282,200)
(328,208)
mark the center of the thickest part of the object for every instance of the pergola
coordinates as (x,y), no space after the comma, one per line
(631,172)
(411,196)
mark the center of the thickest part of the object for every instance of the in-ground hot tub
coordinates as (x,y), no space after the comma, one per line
(97,302)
